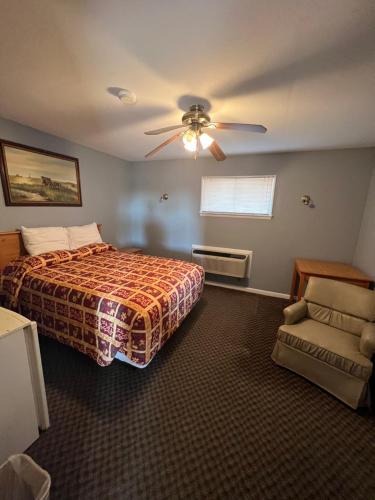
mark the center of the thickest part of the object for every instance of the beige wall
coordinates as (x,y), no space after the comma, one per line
(103,183)
(125,197)
(337,181)
(364,256)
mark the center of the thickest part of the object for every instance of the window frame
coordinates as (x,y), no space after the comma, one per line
(239,215)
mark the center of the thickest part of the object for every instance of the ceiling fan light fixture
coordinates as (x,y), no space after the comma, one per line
(205,140)
(195,121)
(190,140)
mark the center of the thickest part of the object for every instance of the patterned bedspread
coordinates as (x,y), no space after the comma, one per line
(101,301)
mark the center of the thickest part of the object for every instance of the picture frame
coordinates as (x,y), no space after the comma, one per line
(34,177)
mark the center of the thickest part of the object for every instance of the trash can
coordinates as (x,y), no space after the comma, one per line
(22,479)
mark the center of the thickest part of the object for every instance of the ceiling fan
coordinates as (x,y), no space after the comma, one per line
(195,138)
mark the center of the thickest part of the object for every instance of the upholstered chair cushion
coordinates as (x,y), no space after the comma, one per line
(342,297)
(341,305)
(319,313)
(338,349)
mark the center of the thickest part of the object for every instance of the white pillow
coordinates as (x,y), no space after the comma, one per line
(80,236)
(39,240)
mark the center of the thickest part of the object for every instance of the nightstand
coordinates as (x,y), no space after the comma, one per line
(131,250)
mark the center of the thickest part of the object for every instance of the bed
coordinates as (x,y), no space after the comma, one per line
(102,302)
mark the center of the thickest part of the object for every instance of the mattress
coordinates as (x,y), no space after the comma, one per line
(103,302)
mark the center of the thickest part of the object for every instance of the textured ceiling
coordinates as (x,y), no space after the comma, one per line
(303,68)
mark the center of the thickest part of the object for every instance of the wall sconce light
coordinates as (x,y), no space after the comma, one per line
(307,201)
(163,197)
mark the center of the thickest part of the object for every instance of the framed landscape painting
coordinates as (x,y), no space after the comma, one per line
(34,177)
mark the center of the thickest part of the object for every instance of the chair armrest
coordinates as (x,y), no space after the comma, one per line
(367,342)
(295,312)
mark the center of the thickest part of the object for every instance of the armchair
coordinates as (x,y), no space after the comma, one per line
(329,338)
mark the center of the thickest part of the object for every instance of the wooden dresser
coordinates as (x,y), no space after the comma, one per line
(304,268)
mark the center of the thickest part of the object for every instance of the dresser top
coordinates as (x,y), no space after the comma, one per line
(11,321)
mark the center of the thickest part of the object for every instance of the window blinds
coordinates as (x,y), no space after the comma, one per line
(250,196)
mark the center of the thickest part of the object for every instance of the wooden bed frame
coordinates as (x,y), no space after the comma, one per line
(11,246)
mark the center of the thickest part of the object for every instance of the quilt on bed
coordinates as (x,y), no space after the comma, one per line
(101,301)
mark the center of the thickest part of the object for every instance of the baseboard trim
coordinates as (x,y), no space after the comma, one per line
(246,289)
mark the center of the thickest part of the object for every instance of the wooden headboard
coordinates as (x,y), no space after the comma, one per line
(11,246)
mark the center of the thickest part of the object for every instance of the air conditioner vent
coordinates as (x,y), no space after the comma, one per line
(219,254)
(223,261)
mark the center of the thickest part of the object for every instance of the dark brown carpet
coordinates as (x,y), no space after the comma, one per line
(210,418)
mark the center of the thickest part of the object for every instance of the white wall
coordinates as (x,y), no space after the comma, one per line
(337,181)
(103,183)
(364,256)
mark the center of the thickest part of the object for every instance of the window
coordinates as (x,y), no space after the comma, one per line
(250,196)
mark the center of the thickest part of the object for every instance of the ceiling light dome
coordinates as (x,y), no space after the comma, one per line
(127,96)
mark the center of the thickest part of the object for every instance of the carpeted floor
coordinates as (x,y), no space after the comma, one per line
(210,418)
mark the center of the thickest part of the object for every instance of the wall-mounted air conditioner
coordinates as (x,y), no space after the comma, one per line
(223,261)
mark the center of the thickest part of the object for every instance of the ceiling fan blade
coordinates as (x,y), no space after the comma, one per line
(246,127)
(217,152)
(164,129)
(163,144)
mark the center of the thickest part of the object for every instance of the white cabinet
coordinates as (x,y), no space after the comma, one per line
(23,404)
